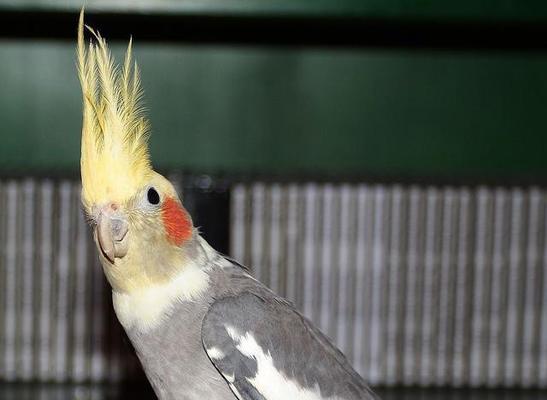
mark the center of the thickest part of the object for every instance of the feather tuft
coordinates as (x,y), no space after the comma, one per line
(115,162)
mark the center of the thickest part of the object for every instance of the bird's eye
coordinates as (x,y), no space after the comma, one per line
(153,196)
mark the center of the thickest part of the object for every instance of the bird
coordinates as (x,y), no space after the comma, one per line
(201,325)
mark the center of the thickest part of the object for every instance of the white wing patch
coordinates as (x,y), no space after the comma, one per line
(269,381)
(215,353)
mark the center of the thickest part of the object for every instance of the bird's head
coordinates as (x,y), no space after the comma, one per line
(139,225)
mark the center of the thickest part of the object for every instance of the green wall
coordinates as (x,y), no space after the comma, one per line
(319,111)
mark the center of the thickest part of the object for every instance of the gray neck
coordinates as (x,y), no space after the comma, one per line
(174,359)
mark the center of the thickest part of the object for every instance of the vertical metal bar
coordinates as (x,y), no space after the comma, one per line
(333,273)
(72,287)
(430,287)
(464,284)
(293,242)
(514,294)
(27,314)
(80,330)
(19,277)
(396,289)
(310,260)
(360,334)
(447,286)
(481,291)
(341,314)
(300,246)
(36,280)
(98,328)
(540,288)
(528,371)
(237,223)
(325,295)
(273,227)
(11,282)
(257,229)
(282,261)
(542,378)
(266,235)
(353,244)
(3,268)
(62,292)
(115,345)
(498,303)
(249,224)
(351,279)
(316,275)
(413,311)
(379,278)
(370,216)
(45,319)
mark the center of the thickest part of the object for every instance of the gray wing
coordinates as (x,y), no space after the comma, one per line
(266,350)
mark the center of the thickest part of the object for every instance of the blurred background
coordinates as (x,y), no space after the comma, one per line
(380,163)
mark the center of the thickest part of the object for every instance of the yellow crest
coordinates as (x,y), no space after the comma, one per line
(114,159)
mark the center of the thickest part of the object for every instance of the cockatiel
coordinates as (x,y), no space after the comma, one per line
(202,327)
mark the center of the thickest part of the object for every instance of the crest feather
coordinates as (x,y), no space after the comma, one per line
(114,159)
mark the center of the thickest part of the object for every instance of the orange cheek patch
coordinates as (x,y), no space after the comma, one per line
(176,222)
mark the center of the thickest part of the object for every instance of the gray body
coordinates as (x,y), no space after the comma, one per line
(175,361)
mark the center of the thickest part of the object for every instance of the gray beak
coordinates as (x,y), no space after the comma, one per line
(111,233)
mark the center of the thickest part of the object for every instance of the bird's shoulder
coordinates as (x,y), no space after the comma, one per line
(266,349)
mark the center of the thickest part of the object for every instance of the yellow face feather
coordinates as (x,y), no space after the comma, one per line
(114,162)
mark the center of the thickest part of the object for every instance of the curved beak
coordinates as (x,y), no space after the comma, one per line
(111,233)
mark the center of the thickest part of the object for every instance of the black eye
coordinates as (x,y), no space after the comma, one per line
(153,196)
